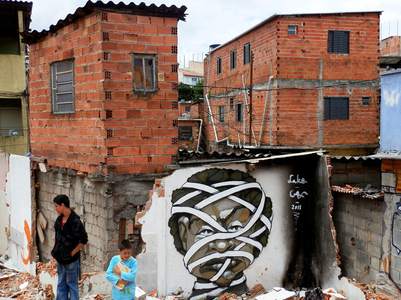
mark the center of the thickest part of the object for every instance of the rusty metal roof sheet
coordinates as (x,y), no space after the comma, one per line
(131,8)
(367,192)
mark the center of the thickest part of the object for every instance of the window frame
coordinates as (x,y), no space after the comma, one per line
(144,56)
(247,53)
(218,65)
(239,115)
(292,33)
(233,59)
(53,86)
(331,38)
(327,109)
(221,113)
(182,137)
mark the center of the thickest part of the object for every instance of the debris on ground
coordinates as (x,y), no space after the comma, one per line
(370,292)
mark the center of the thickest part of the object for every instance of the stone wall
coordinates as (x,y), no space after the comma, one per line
(359,225)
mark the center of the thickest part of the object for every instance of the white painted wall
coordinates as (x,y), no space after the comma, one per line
(4,211)
(165,269)
(18,199)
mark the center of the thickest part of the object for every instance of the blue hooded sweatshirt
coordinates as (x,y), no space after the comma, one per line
(128,292)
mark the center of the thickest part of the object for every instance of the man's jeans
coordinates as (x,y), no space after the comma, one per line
(67,285)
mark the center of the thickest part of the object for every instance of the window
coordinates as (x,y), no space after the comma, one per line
(185,133)
(233,59)
(194,80)
(221,113)
(231,103)
(247,53)
(338,41)
(365,101)
(292,29)
(144,77)
(239,112)
(336,108)
(218,65)
(9,32)
(187,108)
(10,117)
(62,84)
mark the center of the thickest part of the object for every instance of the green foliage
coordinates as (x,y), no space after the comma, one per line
(188,92)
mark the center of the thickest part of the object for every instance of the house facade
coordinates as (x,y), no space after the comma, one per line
(297,82)
(103,110)
(15,17)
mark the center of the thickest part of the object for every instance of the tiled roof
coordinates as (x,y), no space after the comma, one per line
(132,8)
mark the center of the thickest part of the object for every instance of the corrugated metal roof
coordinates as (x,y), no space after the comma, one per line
(368,192)
(276,16)
(352,157)
(131,8)
(388,155)
(24,6)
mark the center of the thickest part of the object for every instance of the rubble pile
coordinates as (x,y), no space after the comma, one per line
(14,284)
(371,293)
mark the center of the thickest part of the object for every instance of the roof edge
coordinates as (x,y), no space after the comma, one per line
(276,16)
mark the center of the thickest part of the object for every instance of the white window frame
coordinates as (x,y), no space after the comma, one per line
(143,57)
(53,86)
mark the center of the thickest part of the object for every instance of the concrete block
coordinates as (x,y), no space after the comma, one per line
(375,264)
(374,250)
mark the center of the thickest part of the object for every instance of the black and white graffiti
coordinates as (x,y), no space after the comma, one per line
(396,228)
(220,220)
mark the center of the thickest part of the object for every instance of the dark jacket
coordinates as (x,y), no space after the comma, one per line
(67,238)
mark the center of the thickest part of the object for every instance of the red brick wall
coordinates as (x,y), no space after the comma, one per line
(143,135)
(298,62)
(391,46)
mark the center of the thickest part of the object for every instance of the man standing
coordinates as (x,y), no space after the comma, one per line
(70,237)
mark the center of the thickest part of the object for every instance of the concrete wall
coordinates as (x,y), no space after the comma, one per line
(100,204)
(360,226)
(390,126)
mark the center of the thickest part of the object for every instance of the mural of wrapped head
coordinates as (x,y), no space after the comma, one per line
(220,220)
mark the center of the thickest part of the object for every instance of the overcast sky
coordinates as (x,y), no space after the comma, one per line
(217,21)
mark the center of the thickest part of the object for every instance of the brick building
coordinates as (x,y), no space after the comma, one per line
(190,125)
(315,84)
(102,89)
(103,109)
(391,46)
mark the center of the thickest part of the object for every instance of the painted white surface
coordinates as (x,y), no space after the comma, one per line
(165,269)
(4,212)
(18,194)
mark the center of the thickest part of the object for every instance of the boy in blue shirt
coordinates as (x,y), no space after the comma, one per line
(122,273)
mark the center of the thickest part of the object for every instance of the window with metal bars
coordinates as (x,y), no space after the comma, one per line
(144,73)
(338,41)
(62,86)
(247,53)
(336,108)
(292,29)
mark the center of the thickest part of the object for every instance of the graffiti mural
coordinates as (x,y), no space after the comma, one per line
(220,220)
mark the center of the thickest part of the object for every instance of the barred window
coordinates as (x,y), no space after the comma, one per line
(336,108)
(185,133)
(62,85)
(338,41)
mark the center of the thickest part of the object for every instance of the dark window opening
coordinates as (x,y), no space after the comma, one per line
(292,29)
(185,133)
(366,100)
(239,112)
(221,114)
(233,59)
(338,41)
(144,73)
(336,108)
(218,65)
(62,85)
(187,108)
(231,103)
(9,33)
(247,53)
(10,117)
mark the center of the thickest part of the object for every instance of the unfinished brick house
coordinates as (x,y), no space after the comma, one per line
(314,80)
(103,98)
(190,125)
